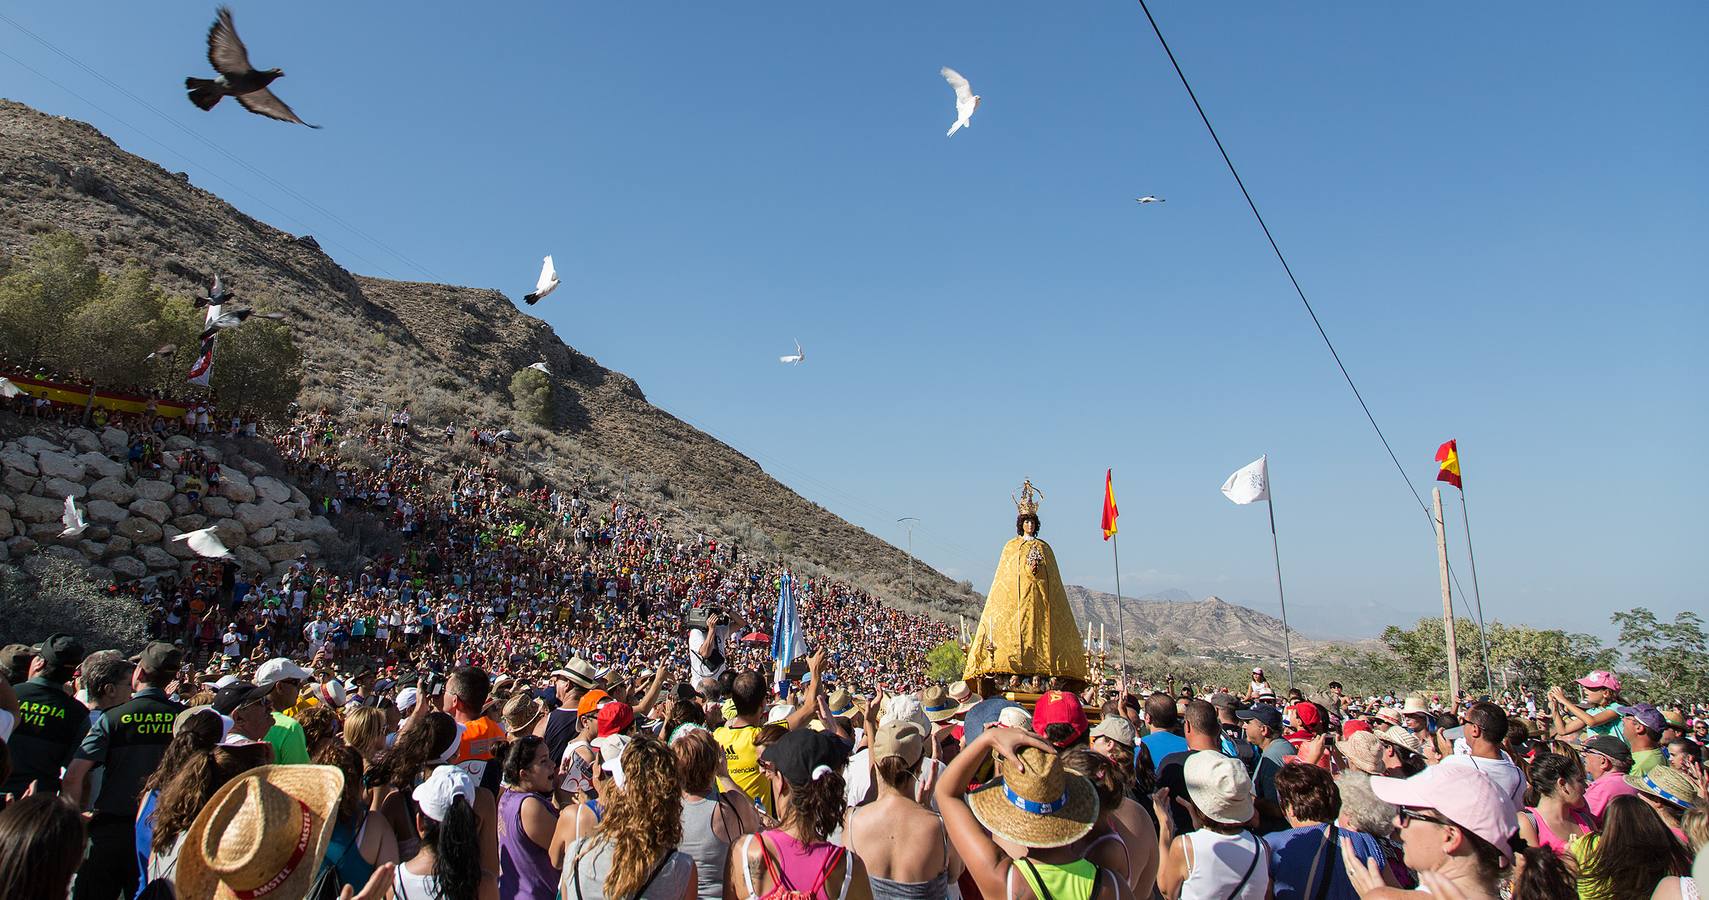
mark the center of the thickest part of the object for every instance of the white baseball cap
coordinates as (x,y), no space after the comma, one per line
(279,669)
(435,795)
(407,698)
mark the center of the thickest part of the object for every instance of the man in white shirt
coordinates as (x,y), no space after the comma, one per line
(1478,746)
(706,647)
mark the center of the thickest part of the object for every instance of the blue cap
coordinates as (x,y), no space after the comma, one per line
(983,714)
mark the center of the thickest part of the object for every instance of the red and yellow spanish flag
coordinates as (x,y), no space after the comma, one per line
(1109,504)
(1448,457)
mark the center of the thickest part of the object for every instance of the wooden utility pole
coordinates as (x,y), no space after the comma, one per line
(1447,600)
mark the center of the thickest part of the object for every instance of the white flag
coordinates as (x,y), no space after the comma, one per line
(1250,484)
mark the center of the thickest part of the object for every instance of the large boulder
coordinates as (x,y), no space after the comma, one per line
(156,558)
(169,462)
(139,530)
(20,546)
(6,502)
(190,522)
(119,545)
(53,462)
(45,533)
(6,525)
(236,488)
(218,507)
(33,445)
(232,532)
(107,511)
(176,549)
(115,440)
(152,509)
(289,550)
(69,554)
(112,488)
(92,549)
(154,489)
(264,536)
(250,467)
(178,442)
(127,567)
(83,439)
(298,498)
(102,465)
(251,560)
(40,509)
(180,504)
(62,488)
(270,488)
(17,481)
(260,514)
(15,458)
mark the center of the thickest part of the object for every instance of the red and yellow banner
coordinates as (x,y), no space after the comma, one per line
(1110,511)
(1448,457)
(75,395)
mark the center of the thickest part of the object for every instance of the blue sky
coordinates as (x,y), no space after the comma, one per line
(1498,212)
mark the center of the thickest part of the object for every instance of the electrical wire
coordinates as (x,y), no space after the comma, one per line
(1251,204)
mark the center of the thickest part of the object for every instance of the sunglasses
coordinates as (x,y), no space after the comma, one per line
(1409,815)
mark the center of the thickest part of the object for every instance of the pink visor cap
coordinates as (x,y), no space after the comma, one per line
(1601,680)
(1463,795)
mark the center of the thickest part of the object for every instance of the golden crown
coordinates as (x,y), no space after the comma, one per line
(1027,503)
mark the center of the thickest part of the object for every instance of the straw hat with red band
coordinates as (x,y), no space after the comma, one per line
(262,835)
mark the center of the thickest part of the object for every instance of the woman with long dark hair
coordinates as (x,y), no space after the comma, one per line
(1632,855)
(448,865)
(632,855)
(41,845)
(1560,816)
(803,769)
(361,839)
(527,818)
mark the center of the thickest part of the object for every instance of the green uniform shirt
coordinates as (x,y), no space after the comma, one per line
(289,745)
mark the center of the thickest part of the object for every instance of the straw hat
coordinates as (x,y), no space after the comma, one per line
(1364,752)
(1665,783)
(261,835)
(937,704)
(1415,705)
(1044,806)
(1400,737)
(520,713)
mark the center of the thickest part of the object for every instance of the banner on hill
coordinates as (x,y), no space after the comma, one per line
(204,366)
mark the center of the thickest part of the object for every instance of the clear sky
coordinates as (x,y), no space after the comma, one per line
(1498,210)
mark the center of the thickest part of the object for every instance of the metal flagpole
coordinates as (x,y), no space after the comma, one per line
(1287,639)
(1477,598)
(1121,632)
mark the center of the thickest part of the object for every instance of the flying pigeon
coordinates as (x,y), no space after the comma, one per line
(165,350)
(216,295)
(8,389)
(541,367)
(1149,199)
(226,320)
(966,101)
(73,519)
(237,78)
(547,284)
(205,542)
(796,358)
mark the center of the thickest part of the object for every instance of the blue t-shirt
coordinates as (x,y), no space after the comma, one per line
(1160,744)
(1297,852)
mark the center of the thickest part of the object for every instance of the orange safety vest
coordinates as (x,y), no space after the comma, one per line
(476,748)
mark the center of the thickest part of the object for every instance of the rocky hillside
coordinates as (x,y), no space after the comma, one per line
(1210,626)
(448,351)
(133,517)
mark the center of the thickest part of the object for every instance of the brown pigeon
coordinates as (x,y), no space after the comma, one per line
(237,77)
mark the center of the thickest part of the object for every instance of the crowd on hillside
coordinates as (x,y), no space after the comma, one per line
(531,692)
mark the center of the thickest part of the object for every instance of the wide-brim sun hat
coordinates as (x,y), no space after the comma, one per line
(1667,784)
(1219,786)
(263,834)
(1044,806)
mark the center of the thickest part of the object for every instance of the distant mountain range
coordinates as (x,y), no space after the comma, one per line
(1210,626)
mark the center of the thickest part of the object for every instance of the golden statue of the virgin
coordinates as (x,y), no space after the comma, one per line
(1027,639)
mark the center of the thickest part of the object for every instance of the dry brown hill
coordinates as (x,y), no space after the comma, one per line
(1194,627)
(447,351)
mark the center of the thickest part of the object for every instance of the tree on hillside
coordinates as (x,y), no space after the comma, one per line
(1540,657)
(108,335)
(39,294)
(257,367)
(531,394)
(1674,656)
(946,662)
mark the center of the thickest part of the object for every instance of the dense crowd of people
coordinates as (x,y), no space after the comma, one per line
(531,692)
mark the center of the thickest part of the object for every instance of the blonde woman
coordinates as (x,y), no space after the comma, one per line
(632,855)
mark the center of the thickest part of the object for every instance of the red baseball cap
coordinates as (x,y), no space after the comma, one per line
(1352,725)
(1060,707)
(1310,718)
(614,717)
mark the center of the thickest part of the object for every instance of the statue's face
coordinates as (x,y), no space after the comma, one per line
(1029,527)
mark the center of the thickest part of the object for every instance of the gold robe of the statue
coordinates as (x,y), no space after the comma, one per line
(1027,627)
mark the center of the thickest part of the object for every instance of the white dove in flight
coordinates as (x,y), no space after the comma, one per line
(547,284)
(205,542)
(165,350)
(9,390)
(73,518)
(966,101)
(796,358)
(1149,199)
(541,367)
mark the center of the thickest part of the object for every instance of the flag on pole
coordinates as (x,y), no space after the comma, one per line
(204,366)
(788,642)
(1110,512)
(1250,484)
(1448,457)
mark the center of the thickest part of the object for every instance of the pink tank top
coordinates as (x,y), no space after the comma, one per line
(1551,840)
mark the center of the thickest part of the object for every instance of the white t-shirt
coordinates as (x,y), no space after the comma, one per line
(1507,777)
(716,663)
